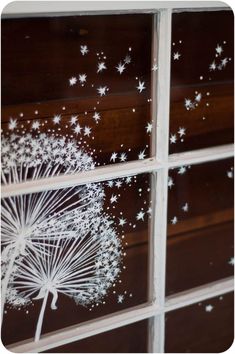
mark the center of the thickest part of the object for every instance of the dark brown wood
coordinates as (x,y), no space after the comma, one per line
(195,35)
(192,329)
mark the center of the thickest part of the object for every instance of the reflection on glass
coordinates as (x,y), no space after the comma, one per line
(205,327)
(201,109)
(200,225)
(70,255)
(87,98)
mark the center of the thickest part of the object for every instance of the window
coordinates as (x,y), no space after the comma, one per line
(117,180)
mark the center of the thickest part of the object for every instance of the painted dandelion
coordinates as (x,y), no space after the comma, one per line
(81,267)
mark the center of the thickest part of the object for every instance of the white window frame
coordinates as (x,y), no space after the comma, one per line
(158,165)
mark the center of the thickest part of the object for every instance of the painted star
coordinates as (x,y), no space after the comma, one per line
(87,131)
(141,86)
(118,184)
(198,97)
(224,62)
(188,104)
(113,156)
(127,59)
(73,120)
(12,124)
(35,125)
(231,261)
(113,199)
(101,66)
(170,182)
(96,117)
(141,155)
(84,49)
(72,81)
(219,49)
(102,90)
(181,131)
(82,78)
(173,139)
(120,299)
(149,127)
(174,220)
(212,66)
(209,308)
(122,221)
(120,68)
(77,129)
(123,157)
(176,56)
(185,207)
(140,216)
(57,119)
(181,170)
(128,179)
(155,67)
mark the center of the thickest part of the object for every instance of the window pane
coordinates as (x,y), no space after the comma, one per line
(200,225)
(72,83)
(206,327)
(74,254)
(127,339)
(201,110)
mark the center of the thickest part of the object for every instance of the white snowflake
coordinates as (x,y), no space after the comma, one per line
(123,157)
(113,157)
(122,221)
(102,90)
(141,155)
(84,49)
(181,131)
(231,261)
(176,56)
(72,81)
(113,199)
(57,119)
(170,182)
(141,86)
(181,170)
(82,78)
(120,68)
(73,120)
(127,59)
(12,124)
(120,299)
(149,127)
(101,67)
(140,216)
(77,129)
(87,131)
(174,220)
(212,66)
(219,49)
(96,117)
(173,138)
(185,207)
(155,67)
(209,308)
(36,125)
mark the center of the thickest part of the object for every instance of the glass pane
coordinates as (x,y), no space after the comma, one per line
(128,339)
(200,225)
(69,85)
(201,110)
(74,254)
(206,327)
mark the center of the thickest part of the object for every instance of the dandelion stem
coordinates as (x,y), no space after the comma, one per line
(40,318)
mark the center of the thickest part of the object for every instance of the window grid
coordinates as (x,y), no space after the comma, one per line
(158,304)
